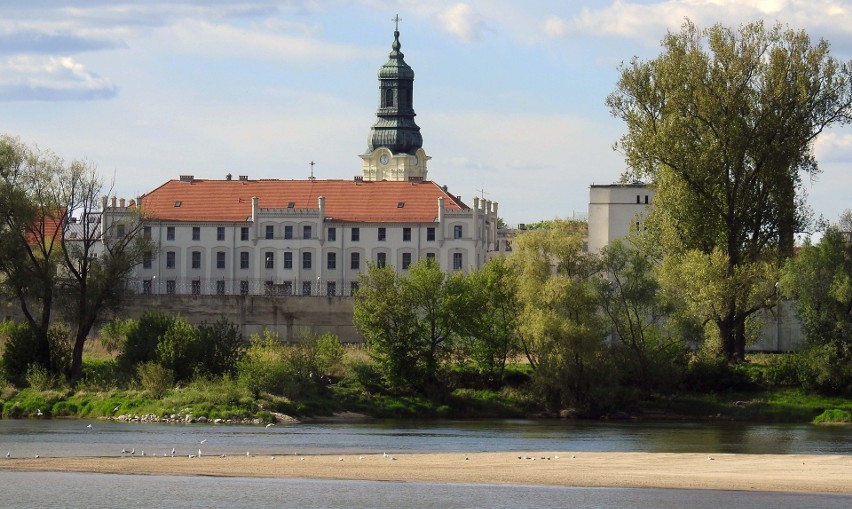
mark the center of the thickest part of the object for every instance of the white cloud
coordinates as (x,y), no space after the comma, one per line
(462,21)
(50,79)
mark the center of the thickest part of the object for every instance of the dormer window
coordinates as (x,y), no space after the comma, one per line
(400,204)
(291,204)
(178,203)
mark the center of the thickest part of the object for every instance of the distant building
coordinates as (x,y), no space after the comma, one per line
(239,236)
(615,210)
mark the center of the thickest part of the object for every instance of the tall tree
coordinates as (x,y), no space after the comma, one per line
(723,122)
(560,322)
(410,322)
(53,263)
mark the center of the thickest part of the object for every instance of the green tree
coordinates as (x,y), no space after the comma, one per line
(490,324)
(560,322)
(410,323)
(51,261)
(633,302)
(220,346)
(140,345)
(819,278)
(723,122)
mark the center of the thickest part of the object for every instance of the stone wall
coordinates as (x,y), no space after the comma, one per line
(287,315)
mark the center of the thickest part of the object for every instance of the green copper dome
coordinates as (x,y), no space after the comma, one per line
(395,128)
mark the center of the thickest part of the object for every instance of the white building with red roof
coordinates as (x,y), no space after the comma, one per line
(314,237)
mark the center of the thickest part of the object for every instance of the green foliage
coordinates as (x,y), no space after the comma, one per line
(833,416)
(156,379)
(489,330)
(723,122)
(261,368)
(560,323)
(220,346)
(113,334)
(142,339)
(410,323)
(25,348)
(178,349)
(39,378)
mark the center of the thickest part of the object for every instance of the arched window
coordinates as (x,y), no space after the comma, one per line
(387,98)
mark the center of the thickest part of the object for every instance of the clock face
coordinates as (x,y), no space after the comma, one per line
(384,159)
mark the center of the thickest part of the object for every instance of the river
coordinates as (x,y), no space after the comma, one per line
(74,438)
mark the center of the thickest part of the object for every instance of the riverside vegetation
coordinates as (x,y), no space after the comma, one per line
(722,123)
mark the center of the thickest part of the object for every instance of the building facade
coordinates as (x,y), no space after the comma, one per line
(615,210)
(239,236)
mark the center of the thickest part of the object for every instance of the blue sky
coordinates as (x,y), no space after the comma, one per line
(509,95)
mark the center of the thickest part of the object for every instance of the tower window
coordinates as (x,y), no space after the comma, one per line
(387,98)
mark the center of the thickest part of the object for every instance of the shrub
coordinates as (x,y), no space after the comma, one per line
(222,346)
(114,334)
(178,349)
(38,378)
(835,416)
(141,342)
(261,368)
(155,378)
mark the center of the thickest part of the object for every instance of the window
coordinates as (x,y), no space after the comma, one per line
(355,261)
(430,257)
(244,260)
(288,259)
(171,286)
(146,261)
(170,259)
(196,259)
(270,231)
(220,287)
(244,233)
(406,260)
(353,287)
(287,288)
(331,288)
(119,230)
(332,261)
(269,260)
(196,233)
(381,259)
(244,287)
(457,231)
(146,232)
(332,234)
(196,287)
(306,260)
(220,259)
(306,287)
(220,233)
(170,233)
(387,98)
(146,287)
(430,233)
(637,198)
(406,234)
(646,199)
(288,232)
(382,234)
(356,234)
(457,261)
(306,232)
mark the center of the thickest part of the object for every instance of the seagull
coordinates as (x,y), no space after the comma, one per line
(133,452)
(248,454)
(199,453)
(302,458)
(8,454)
(36,456)
(89,427)
(123,450)
(143,453)
(340,459)
(38,412)
(385,455)
(173,452)
(270,425)
(273,458)
(202,442)
(114,410)
(710,458)
(360,457)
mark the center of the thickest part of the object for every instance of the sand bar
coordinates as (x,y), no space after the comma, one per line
(788,472)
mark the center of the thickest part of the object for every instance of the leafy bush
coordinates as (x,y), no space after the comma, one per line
(835,416)
(261,368)
(114,334)
(178,349)
(155,378)
(25,348)
(222,346)
(39,379)
(141,341)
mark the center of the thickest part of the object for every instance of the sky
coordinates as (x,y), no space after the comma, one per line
(509,95)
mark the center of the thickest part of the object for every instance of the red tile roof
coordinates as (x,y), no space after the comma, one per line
(345,200)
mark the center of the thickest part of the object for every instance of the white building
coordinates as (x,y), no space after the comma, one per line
(615,210)
(313,237)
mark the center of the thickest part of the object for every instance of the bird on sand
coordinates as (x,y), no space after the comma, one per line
(173,452)
(8,454)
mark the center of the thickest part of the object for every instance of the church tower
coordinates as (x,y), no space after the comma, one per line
(395,145)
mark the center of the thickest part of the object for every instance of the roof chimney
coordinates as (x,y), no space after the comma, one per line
(228,176)
(186,178)
(243,177)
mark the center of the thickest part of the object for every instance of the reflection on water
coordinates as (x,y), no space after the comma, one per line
(74,491)
(72,437)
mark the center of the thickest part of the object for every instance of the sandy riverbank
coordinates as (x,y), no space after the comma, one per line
(794,473)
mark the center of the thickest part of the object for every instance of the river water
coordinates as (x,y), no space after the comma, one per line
(74,438)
